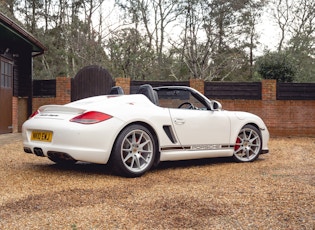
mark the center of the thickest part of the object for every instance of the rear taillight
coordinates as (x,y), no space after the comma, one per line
(34,114)
(91,117)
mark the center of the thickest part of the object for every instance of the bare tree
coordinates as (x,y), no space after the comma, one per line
(295,19)
(303,27)
(283,17)
(196,53)
(215,35)
(154,16)
(8,5)
(250,16)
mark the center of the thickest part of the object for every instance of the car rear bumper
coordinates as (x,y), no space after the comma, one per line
(89,143)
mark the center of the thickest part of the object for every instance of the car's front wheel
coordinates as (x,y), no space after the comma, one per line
(134,151)
(248,144)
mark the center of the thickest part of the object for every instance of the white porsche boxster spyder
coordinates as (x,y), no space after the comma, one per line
(134,132)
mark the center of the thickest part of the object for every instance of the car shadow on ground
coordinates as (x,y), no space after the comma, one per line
(82,167)
(100,169)
(193,163)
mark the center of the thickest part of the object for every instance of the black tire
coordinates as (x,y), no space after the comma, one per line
(133,152)
(248,144)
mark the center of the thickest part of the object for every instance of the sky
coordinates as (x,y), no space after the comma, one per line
(269,33)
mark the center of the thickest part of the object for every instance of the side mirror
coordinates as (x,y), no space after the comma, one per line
(216,105)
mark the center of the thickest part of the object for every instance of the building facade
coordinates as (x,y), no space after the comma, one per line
(17,49)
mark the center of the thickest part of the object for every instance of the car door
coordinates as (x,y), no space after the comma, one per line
(201,129)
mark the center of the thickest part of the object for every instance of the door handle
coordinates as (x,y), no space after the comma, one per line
(179,121)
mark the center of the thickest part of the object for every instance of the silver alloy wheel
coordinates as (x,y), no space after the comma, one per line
(137,151)
(248,144)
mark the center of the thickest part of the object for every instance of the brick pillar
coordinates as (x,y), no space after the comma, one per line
(15,113)
(271,110)
(22,112)
(269,90)
(123,83)
(197,84)
(63,90)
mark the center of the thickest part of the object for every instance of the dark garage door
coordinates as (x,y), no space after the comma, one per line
(6,93)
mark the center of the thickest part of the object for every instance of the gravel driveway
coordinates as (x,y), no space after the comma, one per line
(275,192)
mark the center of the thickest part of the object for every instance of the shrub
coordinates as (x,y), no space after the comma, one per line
(276,65)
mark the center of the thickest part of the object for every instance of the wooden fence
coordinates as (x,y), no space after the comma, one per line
(215,90)
(288,109)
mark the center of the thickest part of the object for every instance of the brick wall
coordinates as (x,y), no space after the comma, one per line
(123,83)
(39,101)
(63,94)
(269,90)
(197,84)
(15,112)
(283,117)
(22,112)
(63,90)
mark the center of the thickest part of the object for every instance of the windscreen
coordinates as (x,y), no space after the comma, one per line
(178,98)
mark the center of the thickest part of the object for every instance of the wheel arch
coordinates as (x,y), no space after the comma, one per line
(235,132)
(253,124)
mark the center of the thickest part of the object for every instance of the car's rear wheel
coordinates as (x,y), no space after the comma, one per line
(248,144)
(134,151)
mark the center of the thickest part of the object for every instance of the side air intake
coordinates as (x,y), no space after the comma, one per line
(169,132)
